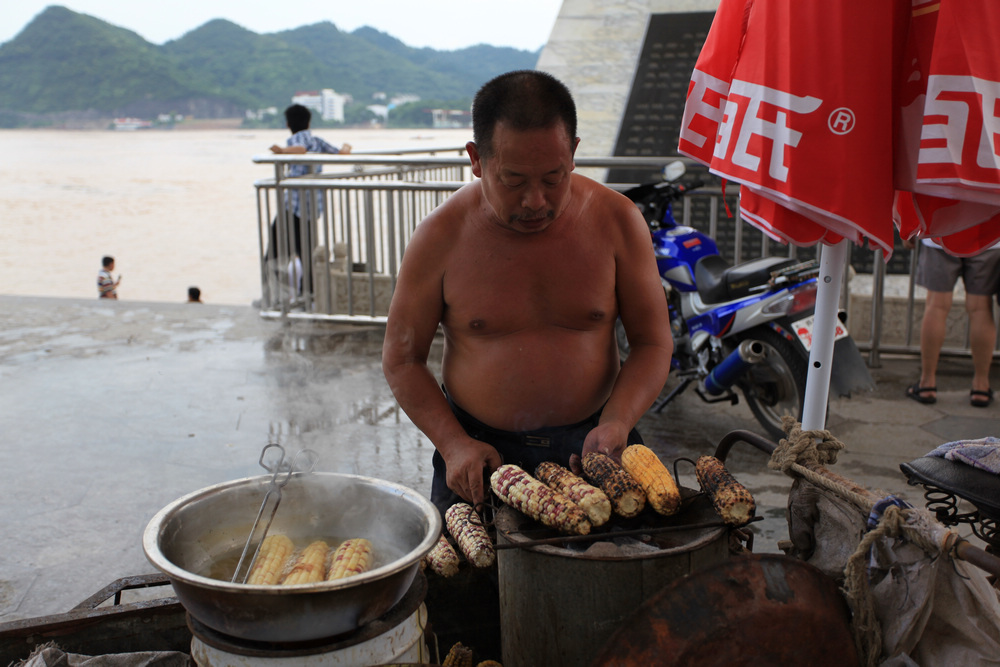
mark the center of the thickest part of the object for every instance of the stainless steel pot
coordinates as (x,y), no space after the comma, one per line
(192,535)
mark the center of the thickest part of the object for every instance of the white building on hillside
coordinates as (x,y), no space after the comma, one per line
(326,102)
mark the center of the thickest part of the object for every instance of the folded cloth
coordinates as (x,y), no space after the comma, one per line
(983,453)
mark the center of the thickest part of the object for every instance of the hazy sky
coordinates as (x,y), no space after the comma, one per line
(440,24)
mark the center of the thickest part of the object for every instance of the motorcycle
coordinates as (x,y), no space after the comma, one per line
(747,326)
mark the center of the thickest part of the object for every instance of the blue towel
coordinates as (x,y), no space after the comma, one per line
(983,453)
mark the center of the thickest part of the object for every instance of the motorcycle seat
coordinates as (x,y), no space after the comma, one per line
(719,282)
(979,487)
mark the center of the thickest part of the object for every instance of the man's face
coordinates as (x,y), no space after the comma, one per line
(527,179)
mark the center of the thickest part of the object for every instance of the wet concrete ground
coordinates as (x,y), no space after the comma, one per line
(110,411)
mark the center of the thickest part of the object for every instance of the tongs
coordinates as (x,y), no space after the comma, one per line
(281,471)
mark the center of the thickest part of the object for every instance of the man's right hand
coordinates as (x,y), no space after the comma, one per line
(466,466)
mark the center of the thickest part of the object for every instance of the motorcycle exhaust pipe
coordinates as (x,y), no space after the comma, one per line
(723,376)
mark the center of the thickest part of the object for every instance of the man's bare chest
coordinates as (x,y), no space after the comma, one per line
(499,290)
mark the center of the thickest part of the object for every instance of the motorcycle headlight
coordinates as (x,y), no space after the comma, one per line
(798,299)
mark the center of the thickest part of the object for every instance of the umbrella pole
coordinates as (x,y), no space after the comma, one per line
(833,258)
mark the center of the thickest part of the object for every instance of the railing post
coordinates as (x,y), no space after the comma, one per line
(878,296)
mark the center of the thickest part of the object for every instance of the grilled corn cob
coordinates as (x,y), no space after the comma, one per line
(732,500)
(442,559)
(654,478)
(526,494)
(626,496)
(270,563)
(459,656)
(309,566)
(470,535)
(590,499)
(352,557)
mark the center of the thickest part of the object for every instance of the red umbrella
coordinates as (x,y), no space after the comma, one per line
(840,119)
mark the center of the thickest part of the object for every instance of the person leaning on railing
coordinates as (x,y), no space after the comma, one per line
(297,119)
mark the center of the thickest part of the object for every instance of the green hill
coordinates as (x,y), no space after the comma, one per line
(64,62)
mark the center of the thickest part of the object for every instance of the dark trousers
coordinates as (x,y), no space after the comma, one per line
(522,448)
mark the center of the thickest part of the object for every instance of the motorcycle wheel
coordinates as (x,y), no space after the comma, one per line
(776,386)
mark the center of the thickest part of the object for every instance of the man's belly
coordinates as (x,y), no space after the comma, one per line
(530,380)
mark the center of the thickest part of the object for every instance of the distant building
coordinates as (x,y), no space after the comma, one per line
(326,102)
(443,118)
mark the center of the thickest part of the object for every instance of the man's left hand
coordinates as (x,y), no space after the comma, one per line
(608,438)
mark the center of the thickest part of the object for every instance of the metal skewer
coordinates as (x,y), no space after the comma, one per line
(281,471)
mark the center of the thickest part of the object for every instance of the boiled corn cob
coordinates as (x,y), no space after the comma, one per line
(442,559)
(310,565)
(654,478)
(732,500)
(470,535)
(459,656)
(528,495)
(589,498)
(352,557)
(270,563)
(626,496)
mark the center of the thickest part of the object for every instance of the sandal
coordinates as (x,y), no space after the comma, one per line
(916,392)
(981,403)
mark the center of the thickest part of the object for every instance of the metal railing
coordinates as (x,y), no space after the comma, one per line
(357,220)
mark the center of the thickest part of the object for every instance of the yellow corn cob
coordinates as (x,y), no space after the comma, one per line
(626,496)
(654,478)
(309,566)
(526,494)
(442,559)
(589,498)
(352,557)
(489,663)
(270,563)
(470,535)
(459,656)
(732,500)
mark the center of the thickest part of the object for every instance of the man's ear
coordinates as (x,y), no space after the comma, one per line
(475,159)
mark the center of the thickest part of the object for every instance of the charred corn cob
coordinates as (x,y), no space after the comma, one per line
(442,559)
(526,494)
(470,535)
(589,498)
(626,496)
(459,656)
(309,566)
(732,500)
(270,563)
(352,557)
(654,478)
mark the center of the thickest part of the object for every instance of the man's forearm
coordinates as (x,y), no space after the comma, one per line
(418,394)
(639,383)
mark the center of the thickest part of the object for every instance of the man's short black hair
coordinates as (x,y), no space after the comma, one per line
(194,294)
(107,261)
(524,99)
(297,118)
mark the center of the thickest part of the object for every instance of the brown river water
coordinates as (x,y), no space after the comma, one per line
(175,208)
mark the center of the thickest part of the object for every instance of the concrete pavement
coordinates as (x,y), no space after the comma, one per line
(110,411)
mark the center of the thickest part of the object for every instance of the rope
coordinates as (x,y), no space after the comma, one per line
(797,455)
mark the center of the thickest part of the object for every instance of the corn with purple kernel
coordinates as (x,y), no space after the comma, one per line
(731,500)
(309,566)
(442,559)
(528,495)
(589,498)
(270,563)
(459,656)
(654,478)
(352,557)
(470,534)
(626,496)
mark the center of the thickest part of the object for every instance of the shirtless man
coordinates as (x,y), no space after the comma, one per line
(527,270)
